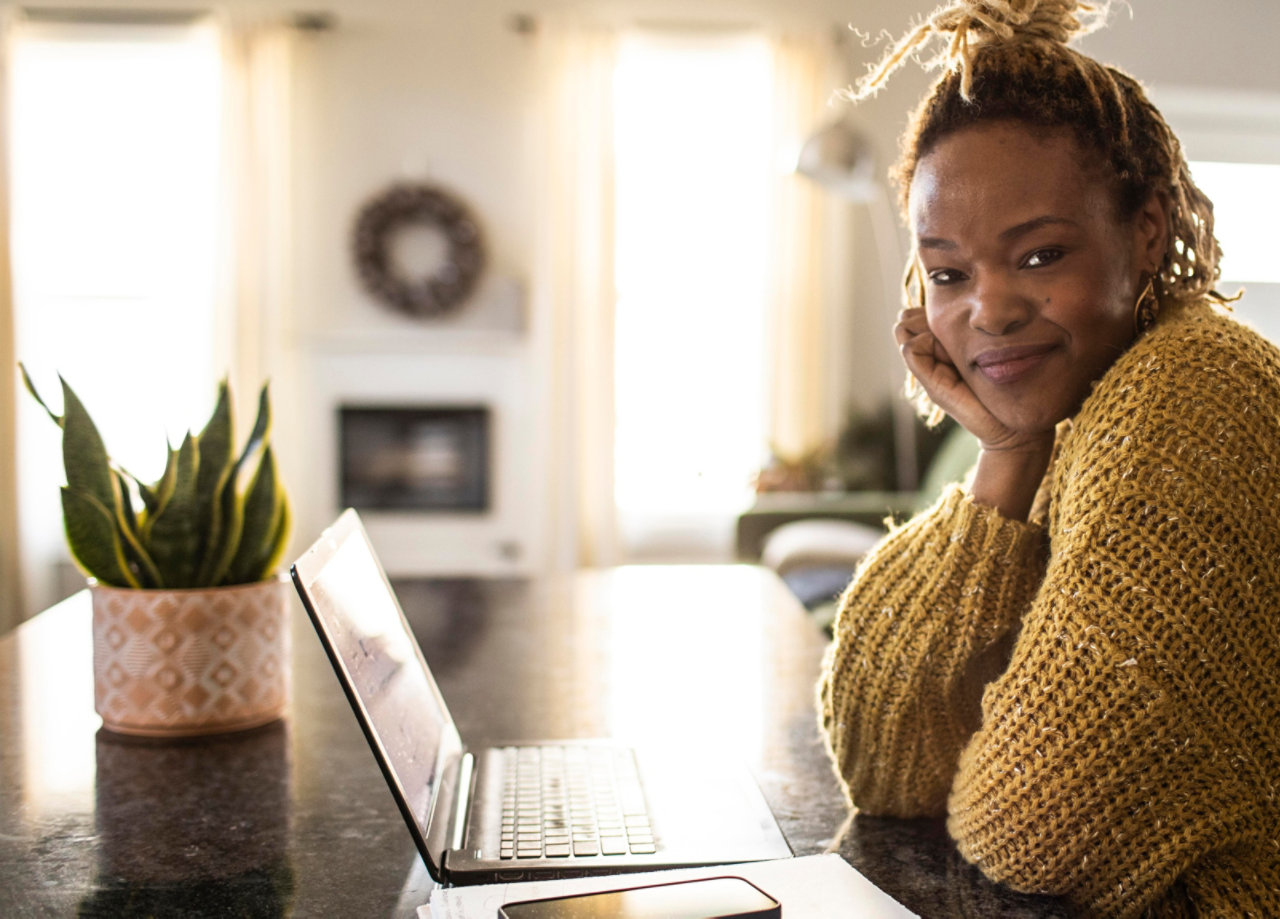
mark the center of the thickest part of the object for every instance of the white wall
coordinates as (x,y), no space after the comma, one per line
(392,98)
(442,90)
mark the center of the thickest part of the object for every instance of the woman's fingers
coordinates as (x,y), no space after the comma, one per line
(937,374)
(923,353)
(912,329)
(939,378)
(928,361)
(911,322)
(941,353)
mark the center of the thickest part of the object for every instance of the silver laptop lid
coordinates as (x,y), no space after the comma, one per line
(381,668)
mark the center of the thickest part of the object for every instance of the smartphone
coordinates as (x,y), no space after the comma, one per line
(706,898)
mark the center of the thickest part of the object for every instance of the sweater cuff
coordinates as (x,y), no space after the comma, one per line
(990,534)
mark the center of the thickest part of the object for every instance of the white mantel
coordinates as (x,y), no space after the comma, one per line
(421,363)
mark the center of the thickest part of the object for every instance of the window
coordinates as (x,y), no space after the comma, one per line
(693,147)
(1244,197)
(114,151)
(1232,142)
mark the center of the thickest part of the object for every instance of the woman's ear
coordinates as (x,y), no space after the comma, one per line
(1151,231)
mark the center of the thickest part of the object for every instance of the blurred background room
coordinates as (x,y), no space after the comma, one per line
(649,322)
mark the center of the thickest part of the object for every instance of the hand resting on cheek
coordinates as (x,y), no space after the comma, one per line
(936,372)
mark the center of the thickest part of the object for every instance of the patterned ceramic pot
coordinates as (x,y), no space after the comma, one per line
(170,663)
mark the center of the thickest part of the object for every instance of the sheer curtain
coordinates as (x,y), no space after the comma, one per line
(574,289)
(10,587)
(810,292)
(576,293)
(229,264)
(254,299)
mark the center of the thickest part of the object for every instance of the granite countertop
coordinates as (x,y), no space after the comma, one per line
(295,818)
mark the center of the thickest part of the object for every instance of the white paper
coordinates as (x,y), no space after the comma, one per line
(810,887)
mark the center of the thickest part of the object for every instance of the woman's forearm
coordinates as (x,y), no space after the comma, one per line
(921,630)
(1007,480)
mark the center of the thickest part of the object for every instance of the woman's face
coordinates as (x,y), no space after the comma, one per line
(1030,274)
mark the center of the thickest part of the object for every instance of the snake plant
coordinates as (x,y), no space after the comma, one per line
(214,518)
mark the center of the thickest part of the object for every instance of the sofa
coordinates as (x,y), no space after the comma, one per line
(815,540)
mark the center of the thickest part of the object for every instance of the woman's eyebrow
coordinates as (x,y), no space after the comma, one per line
(1013,232)
(1035,223)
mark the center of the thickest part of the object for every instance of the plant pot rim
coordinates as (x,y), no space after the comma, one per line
(206,727)
(94,585)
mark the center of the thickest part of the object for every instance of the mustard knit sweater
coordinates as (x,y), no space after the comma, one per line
(1093,698)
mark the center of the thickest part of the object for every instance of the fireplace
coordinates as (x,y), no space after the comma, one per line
(420,459)
(434,437)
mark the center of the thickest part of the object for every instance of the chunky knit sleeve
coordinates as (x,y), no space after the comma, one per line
(1125,751)
(1129,755)
(924,625)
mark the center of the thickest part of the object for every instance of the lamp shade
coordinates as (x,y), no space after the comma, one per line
(839,158)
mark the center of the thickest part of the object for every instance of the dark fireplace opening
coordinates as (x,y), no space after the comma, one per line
(424,458)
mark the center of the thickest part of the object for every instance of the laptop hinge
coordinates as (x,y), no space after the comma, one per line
(462,799)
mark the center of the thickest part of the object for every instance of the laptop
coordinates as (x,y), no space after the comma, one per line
(521,811)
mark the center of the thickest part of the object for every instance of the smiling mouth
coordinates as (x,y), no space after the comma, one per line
(1008,365)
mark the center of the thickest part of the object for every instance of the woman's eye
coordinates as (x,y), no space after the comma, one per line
(1042,257)
(945,276)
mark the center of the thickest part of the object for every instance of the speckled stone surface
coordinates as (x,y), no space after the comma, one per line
(295,818)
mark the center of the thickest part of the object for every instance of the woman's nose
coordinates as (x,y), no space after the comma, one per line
(998,308)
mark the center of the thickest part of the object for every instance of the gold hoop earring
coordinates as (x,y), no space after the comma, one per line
(912,283)
(1146,308)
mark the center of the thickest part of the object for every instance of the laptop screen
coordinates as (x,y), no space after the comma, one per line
(387,682)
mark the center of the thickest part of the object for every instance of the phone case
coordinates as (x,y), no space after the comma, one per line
(705,898)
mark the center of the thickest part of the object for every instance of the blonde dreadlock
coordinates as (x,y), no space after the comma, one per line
(1009,60)
(1052,20)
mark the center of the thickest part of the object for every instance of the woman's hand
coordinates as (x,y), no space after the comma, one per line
(937,373)
(1012,462)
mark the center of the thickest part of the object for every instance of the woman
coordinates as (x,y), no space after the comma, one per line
(1076,656)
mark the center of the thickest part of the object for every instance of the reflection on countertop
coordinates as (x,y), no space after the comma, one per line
(296,819)
(198,825)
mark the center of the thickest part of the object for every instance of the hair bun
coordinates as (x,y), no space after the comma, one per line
(966,24)
(1055,20)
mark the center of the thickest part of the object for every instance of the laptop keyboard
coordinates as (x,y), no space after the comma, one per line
(564,801)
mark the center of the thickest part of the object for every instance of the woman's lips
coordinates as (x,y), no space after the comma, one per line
(1008,365)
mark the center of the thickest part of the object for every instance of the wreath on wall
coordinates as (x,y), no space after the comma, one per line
(407,205)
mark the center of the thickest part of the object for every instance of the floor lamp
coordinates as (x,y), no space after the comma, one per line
(839,158)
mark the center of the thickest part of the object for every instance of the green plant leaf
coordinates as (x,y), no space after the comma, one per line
(95,489)
(150,493)
(231,502)
(263,506)
(94,539)
(261,427)
(174,536)
(232,532)
(31,388)
(279,537)
(138,560)
(127,516)
(215,471)
(156,495)
(84,456)
(195,526)
(90,475)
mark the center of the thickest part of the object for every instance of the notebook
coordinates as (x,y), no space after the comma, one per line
(523,811)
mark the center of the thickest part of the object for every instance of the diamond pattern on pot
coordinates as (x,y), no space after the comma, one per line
(191,661)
